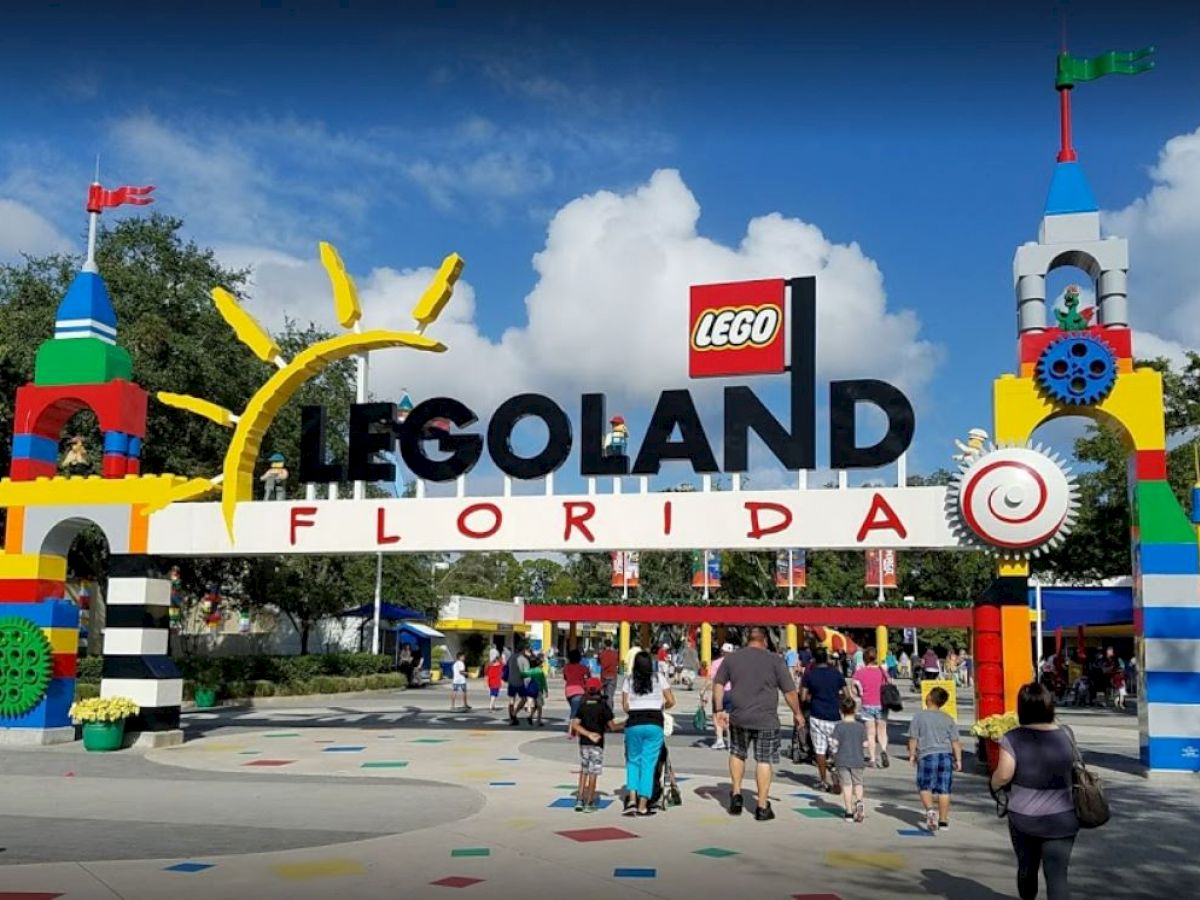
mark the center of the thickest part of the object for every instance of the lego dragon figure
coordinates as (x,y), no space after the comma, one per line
(1072,318)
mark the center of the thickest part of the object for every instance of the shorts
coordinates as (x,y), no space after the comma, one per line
(574,703)
(873,712)
(847,776)
(495,692)
(591,759)
(766,743)
(935,773)
(821,732)
(516,690)
(727,702)
(460,688)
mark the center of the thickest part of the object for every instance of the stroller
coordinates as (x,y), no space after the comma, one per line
(666,790)
(1081,694)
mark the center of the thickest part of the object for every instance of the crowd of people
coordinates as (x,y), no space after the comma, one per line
(1091,679)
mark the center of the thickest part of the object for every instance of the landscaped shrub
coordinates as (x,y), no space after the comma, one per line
(86,691)
(87,669)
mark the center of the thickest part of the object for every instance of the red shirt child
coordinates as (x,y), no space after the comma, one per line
(494,676)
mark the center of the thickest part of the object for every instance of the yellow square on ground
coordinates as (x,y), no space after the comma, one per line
(847,860)
(319,868)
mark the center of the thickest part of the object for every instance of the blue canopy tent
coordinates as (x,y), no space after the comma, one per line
(389,613)
(1072,607)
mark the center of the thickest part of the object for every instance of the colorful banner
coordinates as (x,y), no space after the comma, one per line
(714,569)
(790,573)
(877,560)
(625,565)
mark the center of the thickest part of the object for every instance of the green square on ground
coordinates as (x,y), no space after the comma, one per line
(815,812)
(384,764)
(566,787)
(431,740)
(715,852)
(471,851)
(283,734)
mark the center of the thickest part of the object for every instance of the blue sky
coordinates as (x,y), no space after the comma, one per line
(923,139)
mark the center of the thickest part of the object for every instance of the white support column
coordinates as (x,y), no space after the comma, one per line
(420,489)
(591,483)
(737,481)
(843,479)
(644,482)
(460,486)
(310,491)
(550,484)
(902,470)
(507,486)
(706,483)
(616,485)
(333,490)
(802,480)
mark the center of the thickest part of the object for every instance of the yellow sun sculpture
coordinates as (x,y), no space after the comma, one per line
(236,481)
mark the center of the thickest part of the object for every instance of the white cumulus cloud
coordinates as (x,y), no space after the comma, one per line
(24,231)
(609,311)
(1163,228)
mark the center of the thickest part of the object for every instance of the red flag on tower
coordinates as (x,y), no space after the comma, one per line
(98,198)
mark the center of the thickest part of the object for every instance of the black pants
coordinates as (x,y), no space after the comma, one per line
(1051,855)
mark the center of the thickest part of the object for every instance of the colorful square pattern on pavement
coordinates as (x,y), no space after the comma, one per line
(185,867)
(816,812)
(913,832)
(815,897)
(589,835)
(27,895)
(384,764)
(470,851)
(456,881)
(715,852)
(269,762)
(343,749)
(319,868)
(846,860)
(431,740)
(635,873)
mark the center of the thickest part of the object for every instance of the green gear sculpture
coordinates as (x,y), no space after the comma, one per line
(26,666)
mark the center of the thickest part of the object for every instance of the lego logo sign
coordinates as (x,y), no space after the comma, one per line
(737,328)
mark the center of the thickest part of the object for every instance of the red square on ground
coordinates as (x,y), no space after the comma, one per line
(457,881)
(588,835)
(269,762)
(815,897)
(27,895)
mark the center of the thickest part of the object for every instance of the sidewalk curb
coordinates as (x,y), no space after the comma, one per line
(268,702)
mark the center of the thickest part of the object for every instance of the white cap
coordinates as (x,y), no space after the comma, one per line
(727,648)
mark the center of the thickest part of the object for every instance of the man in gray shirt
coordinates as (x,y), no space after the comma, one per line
(518,669)
(760,676)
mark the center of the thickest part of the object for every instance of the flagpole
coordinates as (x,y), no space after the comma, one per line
(791,578)
(89,264)
(706,575)
(1066,152)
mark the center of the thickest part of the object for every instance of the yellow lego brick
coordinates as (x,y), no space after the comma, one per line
(33,567)
(345,294)
(1006,567)
(1135,403)
(156,491)
(62,640)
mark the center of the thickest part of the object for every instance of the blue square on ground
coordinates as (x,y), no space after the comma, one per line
(569,803)
(913,832)
(502,783)
(343,749)
(188,867)
(806,795)
(635,873)
(508,759)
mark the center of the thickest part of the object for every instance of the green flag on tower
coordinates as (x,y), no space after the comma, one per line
(1071,71)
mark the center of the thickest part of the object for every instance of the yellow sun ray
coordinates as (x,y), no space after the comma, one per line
(212,411)
(345,294)
(246,327)
(434,300)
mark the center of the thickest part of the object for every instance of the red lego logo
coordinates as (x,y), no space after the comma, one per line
(737,329)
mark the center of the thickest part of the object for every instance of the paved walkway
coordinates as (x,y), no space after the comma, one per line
(392,796)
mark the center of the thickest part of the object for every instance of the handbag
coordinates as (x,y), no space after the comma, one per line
(700,720)
(1091,804)
(890,695)
(668,724)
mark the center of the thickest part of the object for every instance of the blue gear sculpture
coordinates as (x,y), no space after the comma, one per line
(1078,369)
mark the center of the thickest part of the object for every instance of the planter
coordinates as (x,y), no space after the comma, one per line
(990,752)
(206,698)
(102,737)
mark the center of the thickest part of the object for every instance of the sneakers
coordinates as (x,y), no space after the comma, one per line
(883,758)
(943,826)
(579,806)
(630,808)
(764,813)
(848,817)
(860,811)
(735,805)
(822,786)
(931,821)
(718,745)
(646,813)
(590,808)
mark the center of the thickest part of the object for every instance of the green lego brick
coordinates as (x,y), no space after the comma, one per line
(1160,518)
(81,361)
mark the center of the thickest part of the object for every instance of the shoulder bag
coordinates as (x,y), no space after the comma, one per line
(1091,804)
(890,695)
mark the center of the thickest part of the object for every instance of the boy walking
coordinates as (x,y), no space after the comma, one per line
(591,721)
(537,690)
(936,751)
(848,740)
(459,684)
(495,677)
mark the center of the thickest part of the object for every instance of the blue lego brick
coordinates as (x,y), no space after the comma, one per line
(1171,622)
(52,712)
(1173,687)
(135,447)
(32,446)
(1172,754)
(87,300)
(1169,559)
(116,442)
(49,614)
(1069,191)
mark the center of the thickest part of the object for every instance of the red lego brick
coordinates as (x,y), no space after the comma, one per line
(1031,345)
(65,665)
(29,469)
(1151,465)
(45,410)
(30,590)
(114,465)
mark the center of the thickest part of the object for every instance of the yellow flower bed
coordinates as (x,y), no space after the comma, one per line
(995,727)
(110,709)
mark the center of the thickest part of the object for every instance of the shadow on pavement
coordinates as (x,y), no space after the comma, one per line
(955,887)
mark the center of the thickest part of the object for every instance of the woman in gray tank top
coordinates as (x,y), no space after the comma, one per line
(1035,765)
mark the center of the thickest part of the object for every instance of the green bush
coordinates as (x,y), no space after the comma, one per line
(88,669)
(86,690)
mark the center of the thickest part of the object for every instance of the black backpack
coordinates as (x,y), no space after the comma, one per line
(889,694)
